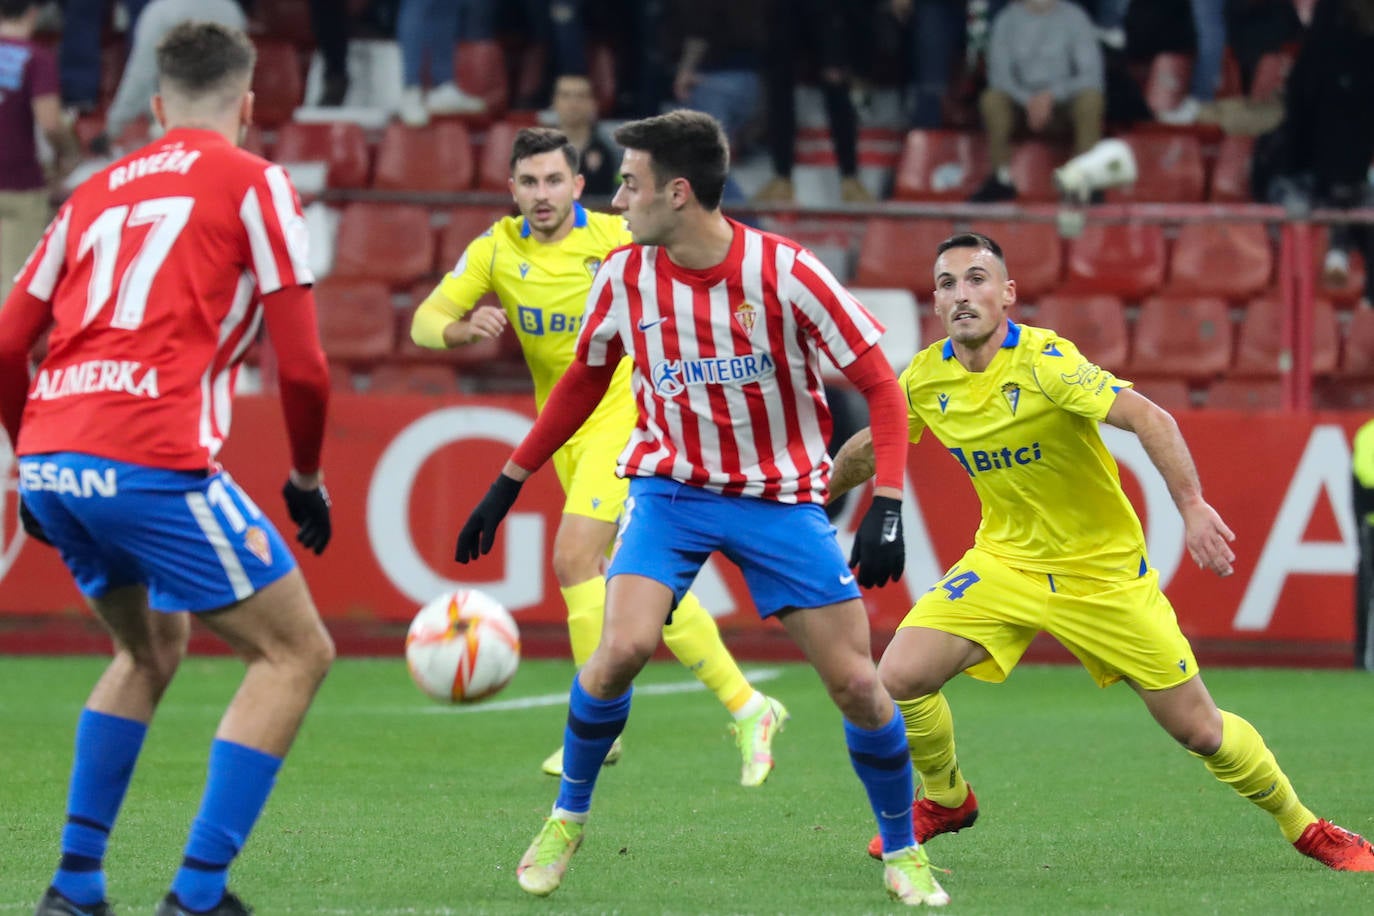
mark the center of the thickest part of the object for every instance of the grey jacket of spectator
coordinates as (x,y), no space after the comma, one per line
(139,82)
(1055,49)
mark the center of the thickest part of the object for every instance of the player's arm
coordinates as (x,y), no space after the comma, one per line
(1206,534)
(854,463)
(447,318)
(22,321)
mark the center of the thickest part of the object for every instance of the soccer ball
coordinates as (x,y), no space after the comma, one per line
(462,647)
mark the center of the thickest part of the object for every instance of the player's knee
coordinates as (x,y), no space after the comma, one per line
(906,682)
(855,691)
(573,565)
(316,655)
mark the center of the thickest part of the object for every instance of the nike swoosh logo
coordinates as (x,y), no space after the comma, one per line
(646,325)
(846,579)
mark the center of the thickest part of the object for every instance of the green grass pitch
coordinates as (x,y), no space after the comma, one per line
(391,804)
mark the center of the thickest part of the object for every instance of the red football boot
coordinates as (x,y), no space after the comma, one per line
(1335,847)
(930,820)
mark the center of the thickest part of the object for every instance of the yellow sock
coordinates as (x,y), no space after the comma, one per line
(586,603)
(695,639)
(1245,764)
(930,732)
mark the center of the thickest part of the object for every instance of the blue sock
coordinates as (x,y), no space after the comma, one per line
(106,749)
(883,762)
(240,779)
(593,726)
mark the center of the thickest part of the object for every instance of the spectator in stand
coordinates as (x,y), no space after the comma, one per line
(939,29)
(717,65)
(1044,72)
(29,97)
(1320,153)
(574,110)
(427,31)
(139,82)
(825,30)
(1209,31)
(331,27)
(556,30)
(83,22)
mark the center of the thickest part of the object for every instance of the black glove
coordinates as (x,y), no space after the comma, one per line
(30,523)
(879,547)
(309,509)
(479,531)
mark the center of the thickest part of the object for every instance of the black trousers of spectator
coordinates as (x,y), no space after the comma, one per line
(1364,576)
(822,31)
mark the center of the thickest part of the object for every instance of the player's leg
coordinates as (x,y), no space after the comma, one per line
(278,634)
(979,617)
(147,649)
(661,549)
(1147,649)
(109,736)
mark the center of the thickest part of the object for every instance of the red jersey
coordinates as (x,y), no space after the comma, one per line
(727,368)
(154,269)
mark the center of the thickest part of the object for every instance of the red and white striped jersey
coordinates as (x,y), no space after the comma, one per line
(155,268)
(727,368)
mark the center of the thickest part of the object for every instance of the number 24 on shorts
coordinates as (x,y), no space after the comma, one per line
(955,583)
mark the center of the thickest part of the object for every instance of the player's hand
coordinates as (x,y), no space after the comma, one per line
(309,509)
(486,322)
(1208,539)
(30,523)
(479,531)
(879,553)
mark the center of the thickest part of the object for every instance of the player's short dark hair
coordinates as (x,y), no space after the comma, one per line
(199,58)
(14,9)
(973,240)
(683,144)
(531,141)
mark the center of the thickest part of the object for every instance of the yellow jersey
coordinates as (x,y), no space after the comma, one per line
(1026,432)
(543,289)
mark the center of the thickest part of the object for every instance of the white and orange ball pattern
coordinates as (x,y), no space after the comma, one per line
(462,647)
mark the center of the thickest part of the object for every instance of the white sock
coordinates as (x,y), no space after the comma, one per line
(563,814)
(752,706)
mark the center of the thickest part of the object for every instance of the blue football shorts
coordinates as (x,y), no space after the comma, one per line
(193,538)
(787,553)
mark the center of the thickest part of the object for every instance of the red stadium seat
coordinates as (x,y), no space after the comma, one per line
(1172,394)
(1167,83)
(1358,359)
(1259,344)
(1353,287)
(940,165)
(1095,324)
(1184,338)
(1344,394)
(1169,169)
(357,321)
(1123,259)
(434,158)
(278,85)
(393,243)
(1034,252)
(464,224)
(340,144)
(1032,170)
(480,70)
(1245,394)
(286,20)
(493,168)
(1231,175)
(601,71)
(1234,260)
(1271,74)
(900,252)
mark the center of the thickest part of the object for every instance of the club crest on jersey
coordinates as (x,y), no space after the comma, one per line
(747,316)
(524,269)
(592,265)
(255,539)
(1012,392)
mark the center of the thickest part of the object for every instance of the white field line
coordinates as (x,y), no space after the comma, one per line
(559,699)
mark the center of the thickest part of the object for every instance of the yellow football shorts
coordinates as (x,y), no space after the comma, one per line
(586,468)
(1116,628)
